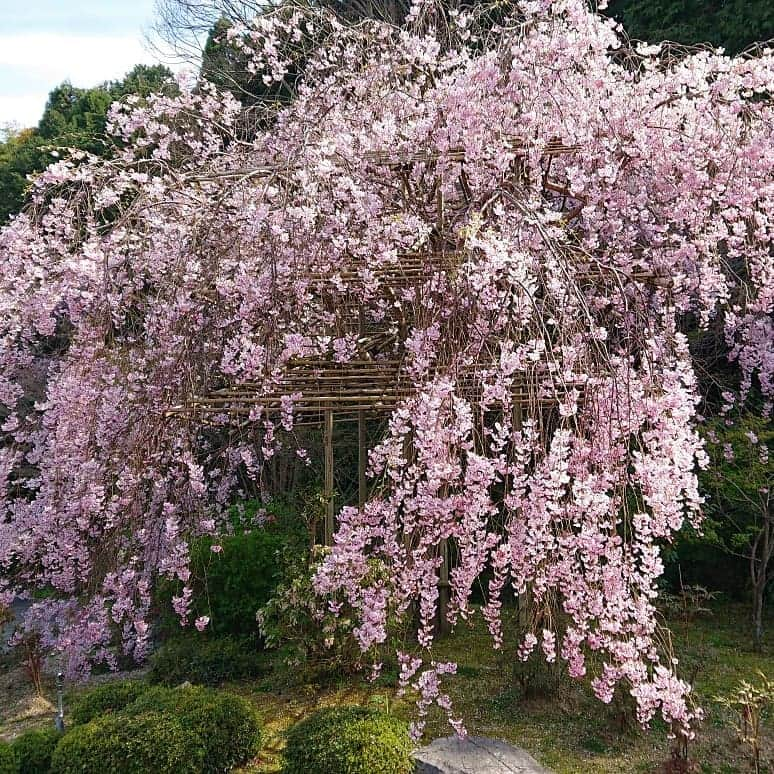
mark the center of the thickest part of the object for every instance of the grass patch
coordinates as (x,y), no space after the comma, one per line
(571,733)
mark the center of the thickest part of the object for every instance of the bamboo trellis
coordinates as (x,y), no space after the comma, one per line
(373,385)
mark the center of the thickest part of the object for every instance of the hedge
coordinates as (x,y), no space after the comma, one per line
(206,660)
(349,740)
(34,749)
(151,742)
(225,726)
(104,699)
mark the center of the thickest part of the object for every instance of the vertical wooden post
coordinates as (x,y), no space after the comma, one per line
(444,591)
(522,600)
(362,453)
(328,483)
(361,430)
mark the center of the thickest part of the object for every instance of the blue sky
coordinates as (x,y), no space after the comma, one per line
(44,42)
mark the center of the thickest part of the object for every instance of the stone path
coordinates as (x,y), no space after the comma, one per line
(475,755)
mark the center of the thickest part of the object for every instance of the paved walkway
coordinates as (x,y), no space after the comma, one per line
(475,755)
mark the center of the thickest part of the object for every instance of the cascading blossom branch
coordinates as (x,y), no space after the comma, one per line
(583,197)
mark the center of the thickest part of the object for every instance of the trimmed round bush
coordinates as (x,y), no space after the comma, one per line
(8,762)
(130,745)
(226,727)
(349,740)
(104,699)
(34,750)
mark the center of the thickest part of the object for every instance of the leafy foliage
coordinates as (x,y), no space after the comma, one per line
(235,573)
(20,155)
(206,660)
(740,488)
(34,750)
(73,118)
(8,762)
(295,619)
(108,698)
(225,727)
(732,24)
(354,740)
(132,745)
(311,638)
(227,67)
(233,582)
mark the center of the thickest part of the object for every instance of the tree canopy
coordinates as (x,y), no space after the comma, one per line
(732,24)
(73,118)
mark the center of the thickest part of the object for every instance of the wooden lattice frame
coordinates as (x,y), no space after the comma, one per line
(375,384)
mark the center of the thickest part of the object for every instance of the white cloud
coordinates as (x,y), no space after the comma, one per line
(23,110)
(43,60)
(84,60)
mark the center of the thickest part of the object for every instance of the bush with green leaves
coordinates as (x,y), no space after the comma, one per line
(107,698)
(349,740)
(314,641)
(295,620)
(8,761)
(34,749)
(225,727)
(152,742)
(206,660)
(233,575)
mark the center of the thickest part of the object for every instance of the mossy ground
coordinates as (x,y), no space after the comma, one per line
(570,732)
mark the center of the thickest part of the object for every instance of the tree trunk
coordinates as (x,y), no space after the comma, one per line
(760,559)
(759,591)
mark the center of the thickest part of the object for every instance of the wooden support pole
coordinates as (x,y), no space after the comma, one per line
(328,483)
(442,625)
(517,416)
(362,454)
(362,451)
(523,601)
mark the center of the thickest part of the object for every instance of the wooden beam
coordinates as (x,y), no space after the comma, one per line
(362,454)
(328,483)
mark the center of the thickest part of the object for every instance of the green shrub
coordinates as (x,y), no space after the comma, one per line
(206,660)
(34,750)
(230,585)
(8,762)
(131,745)
(349,740)
(106,698)
(316,644)
(233,584)
(226,727)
